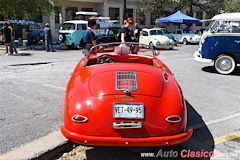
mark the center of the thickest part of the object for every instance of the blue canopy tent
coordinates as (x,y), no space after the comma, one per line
(179,18)
(21,22)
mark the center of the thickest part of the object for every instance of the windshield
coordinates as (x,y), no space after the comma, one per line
(123,48)
(226,27)
(101,31)
(187,31)
(156,32)
(68,26)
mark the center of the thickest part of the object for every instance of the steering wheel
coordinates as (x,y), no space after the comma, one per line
(105,59)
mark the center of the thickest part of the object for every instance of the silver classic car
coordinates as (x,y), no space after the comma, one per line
(185,36)
(155,38)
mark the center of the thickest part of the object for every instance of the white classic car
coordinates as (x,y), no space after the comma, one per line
(155,38)
(185,36)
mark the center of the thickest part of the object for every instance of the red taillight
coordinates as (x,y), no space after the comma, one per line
(174,119)
(165,76)
(79,119)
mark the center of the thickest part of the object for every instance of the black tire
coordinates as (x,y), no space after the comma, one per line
(185,41)
(224,64)
(151,45)
(70,47)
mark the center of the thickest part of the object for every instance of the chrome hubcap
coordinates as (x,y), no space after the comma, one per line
(225,65)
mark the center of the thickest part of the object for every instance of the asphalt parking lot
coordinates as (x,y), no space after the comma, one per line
(32,95)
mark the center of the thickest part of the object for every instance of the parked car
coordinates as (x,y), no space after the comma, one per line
(37,33)
(107,34)
(185,36)
(168,34)
(123,95)
(155,38)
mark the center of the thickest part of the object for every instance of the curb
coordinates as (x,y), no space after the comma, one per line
(48,147)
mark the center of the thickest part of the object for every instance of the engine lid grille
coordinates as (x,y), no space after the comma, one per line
(126,81)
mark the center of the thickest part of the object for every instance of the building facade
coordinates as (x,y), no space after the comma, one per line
(66,10)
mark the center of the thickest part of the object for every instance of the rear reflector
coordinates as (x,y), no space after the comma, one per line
(174,119)
(79,119)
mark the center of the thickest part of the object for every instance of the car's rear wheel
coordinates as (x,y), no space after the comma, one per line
(224,64)
(185,41)
(151,45)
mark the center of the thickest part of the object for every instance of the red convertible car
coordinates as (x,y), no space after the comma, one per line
(123,95)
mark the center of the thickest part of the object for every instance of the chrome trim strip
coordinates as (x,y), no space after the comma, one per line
(168,119)
(85,119)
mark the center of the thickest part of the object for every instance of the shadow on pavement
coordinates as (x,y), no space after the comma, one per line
(211,69)
(22,54)
(200,142)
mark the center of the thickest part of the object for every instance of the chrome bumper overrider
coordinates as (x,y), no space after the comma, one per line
(198,57)
(127,125)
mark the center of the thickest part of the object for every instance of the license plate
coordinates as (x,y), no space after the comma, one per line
(128,110)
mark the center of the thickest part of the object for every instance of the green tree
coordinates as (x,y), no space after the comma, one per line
(156,7)
(211,7)
(232,6)
(20,9)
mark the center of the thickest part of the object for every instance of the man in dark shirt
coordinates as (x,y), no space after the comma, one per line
(6,31)
(29,37)
(89,36)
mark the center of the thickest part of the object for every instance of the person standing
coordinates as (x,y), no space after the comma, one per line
(137,32)
(89,37)
(6,32)
(48,38)
(29,37)
(124,33)
(13,47)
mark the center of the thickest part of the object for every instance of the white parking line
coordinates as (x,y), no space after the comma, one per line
(199,125)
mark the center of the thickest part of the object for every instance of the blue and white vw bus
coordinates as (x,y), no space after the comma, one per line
(220,43)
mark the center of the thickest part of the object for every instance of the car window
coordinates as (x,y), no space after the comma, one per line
(145,33)
(165,31)
(101,31)
(156,32)
(81,27)
(115,31)
(68,26)
(179,32)
(186,31)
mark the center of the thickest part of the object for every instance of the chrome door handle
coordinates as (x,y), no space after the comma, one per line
(237,41)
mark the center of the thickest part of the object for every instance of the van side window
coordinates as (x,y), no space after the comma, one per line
(235,27)
(81,27)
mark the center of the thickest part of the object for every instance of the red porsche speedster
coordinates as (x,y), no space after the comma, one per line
(123,95)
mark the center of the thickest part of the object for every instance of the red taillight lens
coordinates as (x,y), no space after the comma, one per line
(79,119)
(174,119)
(165,76)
